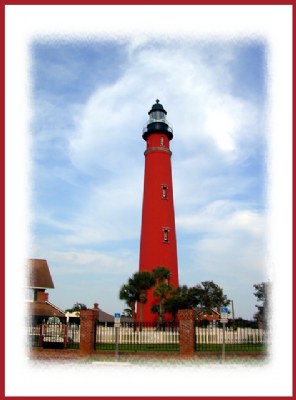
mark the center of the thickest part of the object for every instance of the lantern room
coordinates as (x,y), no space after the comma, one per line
(157,122)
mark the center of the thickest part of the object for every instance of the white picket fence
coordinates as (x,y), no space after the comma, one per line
(127,335)
(149,335)
(214,335)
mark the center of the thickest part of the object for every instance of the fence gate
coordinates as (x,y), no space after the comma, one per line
(54,336)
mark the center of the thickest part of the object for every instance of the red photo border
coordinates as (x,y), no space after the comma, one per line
(5,3)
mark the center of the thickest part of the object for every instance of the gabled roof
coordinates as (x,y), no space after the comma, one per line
(39,274)
(41,309)
(103,316)
(201,310)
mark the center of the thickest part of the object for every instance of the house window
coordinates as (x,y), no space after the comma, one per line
(164,191)
(165,234)
(161,141)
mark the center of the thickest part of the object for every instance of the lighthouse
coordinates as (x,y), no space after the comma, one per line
(158,245)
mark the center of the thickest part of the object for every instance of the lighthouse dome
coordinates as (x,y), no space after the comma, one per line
(157,107)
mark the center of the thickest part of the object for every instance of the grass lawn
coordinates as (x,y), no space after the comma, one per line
(138,347)
(244,347)
(174,347)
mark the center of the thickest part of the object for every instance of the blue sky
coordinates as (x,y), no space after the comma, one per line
(90,101)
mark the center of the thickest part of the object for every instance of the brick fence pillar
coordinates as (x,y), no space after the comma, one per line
(88,320)
(187,332)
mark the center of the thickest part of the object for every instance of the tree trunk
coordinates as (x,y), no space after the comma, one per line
(141,312)
(133,308)
(142,301)
(161,311)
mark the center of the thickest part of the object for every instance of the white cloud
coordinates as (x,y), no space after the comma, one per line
(226,242)
(249,221)
(223,217)
(115,212)
(225,120)
(200,107)
(90,262)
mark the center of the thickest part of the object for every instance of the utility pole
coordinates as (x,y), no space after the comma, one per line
(232,310)
(233,321)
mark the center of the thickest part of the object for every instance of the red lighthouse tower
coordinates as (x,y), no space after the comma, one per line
(158,245)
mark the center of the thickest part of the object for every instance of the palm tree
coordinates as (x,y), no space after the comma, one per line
(163,289)
(161,274)
(129,293)
(143,281)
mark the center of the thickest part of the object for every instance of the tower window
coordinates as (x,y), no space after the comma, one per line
(165,234)
(161,141)
(164,191)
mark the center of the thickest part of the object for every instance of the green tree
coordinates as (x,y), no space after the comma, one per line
(262,292)
(130,294)
(211,295)
(161,274)
(77,307)
(162,290)
(205,295)
(181,298)
(143,281)
(127,312)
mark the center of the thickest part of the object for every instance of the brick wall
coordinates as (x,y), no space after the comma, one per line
(88,320)
(42,296)
(187,332)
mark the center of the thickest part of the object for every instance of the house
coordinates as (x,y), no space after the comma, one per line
(104,317)
(39,307)
(38,280)
(108,318)
(207,314)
